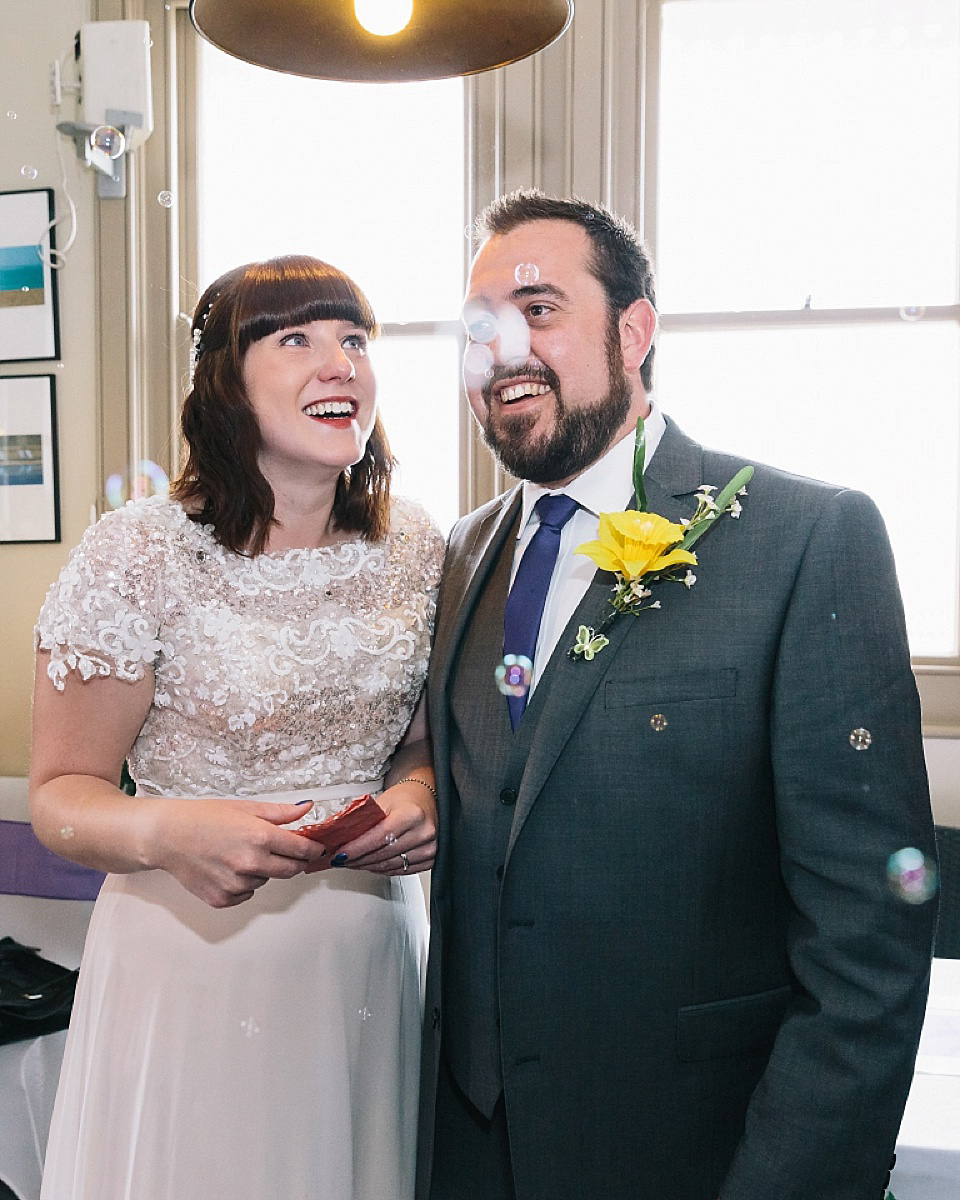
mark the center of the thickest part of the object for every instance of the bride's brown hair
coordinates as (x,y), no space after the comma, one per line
(221,483)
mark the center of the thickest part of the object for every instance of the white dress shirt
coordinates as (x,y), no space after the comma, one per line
(605,486)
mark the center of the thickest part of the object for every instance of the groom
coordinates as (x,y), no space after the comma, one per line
(665,961)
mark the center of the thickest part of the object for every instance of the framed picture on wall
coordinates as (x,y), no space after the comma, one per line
(29,484)
(29,321)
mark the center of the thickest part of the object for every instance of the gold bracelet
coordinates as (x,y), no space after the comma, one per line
(423,783)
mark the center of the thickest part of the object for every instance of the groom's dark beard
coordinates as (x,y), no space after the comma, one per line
(579,437)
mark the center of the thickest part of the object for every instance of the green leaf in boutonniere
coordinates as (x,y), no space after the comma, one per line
(641,547)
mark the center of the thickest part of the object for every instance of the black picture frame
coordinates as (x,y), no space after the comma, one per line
(29,308)
(29,462)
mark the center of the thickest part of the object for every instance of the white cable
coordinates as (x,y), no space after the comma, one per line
(55,259)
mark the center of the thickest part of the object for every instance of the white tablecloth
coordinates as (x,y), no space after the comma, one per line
(29,1072)
(928,1148)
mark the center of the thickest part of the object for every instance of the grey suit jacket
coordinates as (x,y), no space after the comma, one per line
(705,985)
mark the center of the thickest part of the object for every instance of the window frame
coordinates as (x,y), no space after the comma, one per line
(938,678)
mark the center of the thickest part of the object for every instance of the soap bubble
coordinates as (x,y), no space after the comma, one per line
(150,480)
(911,876)
(514,674)
(108,141)
(480,322)
(526,274)
(912,312)
(477,361)
(658,722)
(861,739)
(29,172)
(11,115)
(165,199)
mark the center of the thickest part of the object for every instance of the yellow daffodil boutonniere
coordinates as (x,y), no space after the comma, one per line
(641,548)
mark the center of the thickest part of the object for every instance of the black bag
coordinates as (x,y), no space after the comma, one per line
(36,995)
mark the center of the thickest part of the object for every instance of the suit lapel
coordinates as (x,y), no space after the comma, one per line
(568,685)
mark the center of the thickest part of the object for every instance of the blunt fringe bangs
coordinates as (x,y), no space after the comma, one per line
(221,483)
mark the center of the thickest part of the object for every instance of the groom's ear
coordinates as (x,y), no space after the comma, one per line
(638,328)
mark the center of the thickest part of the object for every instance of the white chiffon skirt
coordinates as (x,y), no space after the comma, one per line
(264,1052)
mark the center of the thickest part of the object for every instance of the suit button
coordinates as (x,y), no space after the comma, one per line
(508,796)
(500,871)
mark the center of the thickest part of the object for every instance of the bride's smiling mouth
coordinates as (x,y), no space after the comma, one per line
(338,410)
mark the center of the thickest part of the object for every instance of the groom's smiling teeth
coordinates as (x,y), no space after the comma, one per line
(331,408)
(520,391)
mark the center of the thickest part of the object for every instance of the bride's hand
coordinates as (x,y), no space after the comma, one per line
(222,850)
(406,842)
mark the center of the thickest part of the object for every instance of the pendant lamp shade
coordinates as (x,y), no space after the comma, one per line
(324,39)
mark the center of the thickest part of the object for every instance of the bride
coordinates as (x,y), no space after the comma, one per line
(246,1025)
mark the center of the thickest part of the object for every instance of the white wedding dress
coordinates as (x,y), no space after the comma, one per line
(268,1051)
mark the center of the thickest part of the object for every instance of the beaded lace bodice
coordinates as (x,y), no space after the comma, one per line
(290,670)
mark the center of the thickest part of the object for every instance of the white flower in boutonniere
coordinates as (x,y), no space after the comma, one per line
(642,548)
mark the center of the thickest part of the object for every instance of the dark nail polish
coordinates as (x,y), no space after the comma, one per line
(338,859)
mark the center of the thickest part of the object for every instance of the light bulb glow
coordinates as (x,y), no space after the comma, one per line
(383,17)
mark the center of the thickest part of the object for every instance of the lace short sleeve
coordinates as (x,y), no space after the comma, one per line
(102,617)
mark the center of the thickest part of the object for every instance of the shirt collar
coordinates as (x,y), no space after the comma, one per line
(607,484)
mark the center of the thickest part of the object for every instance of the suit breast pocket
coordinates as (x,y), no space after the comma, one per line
(670,688)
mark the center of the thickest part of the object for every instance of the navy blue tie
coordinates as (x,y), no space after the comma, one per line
(524,609)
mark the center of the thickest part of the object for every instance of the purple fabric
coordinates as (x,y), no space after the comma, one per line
(28,868)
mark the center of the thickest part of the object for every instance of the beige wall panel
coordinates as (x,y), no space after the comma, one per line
(588,81)
(32,36)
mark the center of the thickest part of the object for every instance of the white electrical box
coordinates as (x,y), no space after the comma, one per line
(114,64)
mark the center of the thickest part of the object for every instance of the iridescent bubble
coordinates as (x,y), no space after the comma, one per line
(658,722)
(108,141)
(912,312)
(477,360)
(11,115)
(480,322)
(911,876)
(165,199)
(514,674)
(67,831)
(526,274)
(150,479)
(29,172)
(861,739)
(364,1013)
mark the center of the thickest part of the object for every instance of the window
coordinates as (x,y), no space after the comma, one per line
(807,241)
(370,178)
